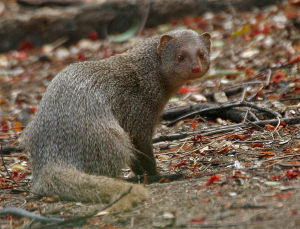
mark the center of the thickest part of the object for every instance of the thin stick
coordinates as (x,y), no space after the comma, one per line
(282,157)
(24,213)
(221,129)
(224,107)
(144,18)
(269,73)
(8,173)
(9,149)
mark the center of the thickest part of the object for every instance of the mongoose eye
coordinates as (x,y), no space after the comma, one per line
(180,58)
(201,55)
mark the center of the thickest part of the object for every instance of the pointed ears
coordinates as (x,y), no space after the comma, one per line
(206,38)
(163,42)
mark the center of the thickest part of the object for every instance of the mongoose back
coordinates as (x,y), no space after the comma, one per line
(98,116)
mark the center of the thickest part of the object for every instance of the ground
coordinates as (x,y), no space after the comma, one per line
(247,177)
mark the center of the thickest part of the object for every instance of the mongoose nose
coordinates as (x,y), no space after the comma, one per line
(196,69)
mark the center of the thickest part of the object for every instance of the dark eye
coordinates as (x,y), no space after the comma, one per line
(180,58)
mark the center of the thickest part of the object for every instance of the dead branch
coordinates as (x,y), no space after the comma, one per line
(24,213)
(81,17)
(8,149)
(224,107)
(232,114)
(172,137)
(155,178)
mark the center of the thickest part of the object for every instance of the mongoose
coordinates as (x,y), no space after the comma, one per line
(98,116)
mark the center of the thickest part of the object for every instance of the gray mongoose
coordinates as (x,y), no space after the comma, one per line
(98,116)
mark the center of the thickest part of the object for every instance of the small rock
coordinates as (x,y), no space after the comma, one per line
(198,98)
(248,53)
(167,219)
(220,97)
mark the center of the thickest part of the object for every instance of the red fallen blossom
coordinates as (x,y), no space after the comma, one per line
(193,175)
(294,213)
(238,174)
(94,35)
(197,221)
(295,79)
(185,90)
(257,144)
(292,174)
(278,77)
(164,180)
(206,200)
(266,30)
(26,46)
(9,217)
(80,56)
(188,20)
(180,164)
(18,176)
(296,89)
(283,195)
(249,72)
(239,136)
(278,177)
(291,150)
(5,185)
(52,199)
(194,125)
(212,179)
(20,55)
(269,127)
(197,137)
(294,2)
(282,123)
(4,128)
(288,150)
(32,110)
(247,37)
(294,60)
(266,154)
(223,150)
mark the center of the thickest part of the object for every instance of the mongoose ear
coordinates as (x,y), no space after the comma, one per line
(163,42)
(206,38)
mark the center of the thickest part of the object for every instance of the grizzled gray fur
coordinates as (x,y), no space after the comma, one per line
(98,116)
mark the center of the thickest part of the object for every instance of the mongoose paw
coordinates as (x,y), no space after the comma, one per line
(135,197)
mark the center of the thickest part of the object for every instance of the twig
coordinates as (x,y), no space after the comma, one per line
(9,149)
(211,131)
(8,173)
(243,94)
(144,18)
(269,73)
(156,178)
(24,213)
(285,65)
(224,107)
(282,157)
(289,98)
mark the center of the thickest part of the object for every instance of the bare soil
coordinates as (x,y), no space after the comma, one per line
(246,178)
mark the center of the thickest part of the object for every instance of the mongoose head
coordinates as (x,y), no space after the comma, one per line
(184,55)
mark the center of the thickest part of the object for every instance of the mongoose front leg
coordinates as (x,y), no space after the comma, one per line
(144,160)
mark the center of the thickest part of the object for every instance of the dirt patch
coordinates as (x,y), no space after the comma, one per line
(244,178)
